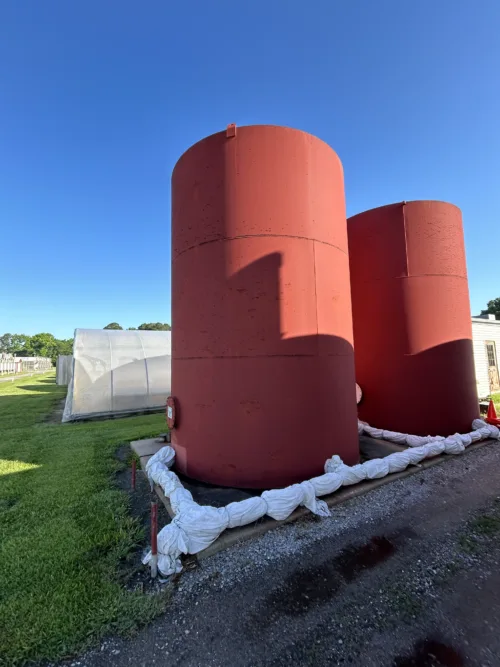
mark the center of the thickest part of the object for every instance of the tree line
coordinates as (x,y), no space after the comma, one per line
(493,308)
(39,345)
(150,326)
(47,345)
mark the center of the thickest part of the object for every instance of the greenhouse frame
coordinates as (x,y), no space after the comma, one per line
(118,372)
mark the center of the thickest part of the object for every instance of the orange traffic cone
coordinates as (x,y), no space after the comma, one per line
(491,417)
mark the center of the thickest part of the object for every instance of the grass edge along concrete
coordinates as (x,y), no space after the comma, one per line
(66,532)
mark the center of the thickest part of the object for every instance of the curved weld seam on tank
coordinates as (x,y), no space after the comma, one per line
(422,275)
(252,236)
(265,356)
(430,275)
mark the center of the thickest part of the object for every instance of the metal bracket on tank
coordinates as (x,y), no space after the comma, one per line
(170,412)
(231,130)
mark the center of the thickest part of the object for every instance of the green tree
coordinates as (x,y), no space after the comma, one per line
(13,343)
(493,308)
(6,343)
(65,346)
(113,325)
(19,342)
(154,326)
(42,345)
(47,345)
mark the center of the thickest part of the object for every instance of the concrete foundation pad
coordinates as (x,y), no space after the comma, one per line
(370,448)
(374,448)
(234,535)
(147,447)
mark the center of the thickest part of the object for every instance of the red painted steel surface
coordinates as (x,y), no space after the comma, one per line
(411,317)
(262,360)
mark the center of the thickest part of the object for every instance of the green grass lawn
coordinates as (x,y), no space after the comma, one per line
(65,529)
(496,401)
(14,375)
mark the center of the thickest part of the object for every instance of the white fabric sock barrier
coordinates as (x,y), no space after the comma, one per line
(418,440)
(194,527)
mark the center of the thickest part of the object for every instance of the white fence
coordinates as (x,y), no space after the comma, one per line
(15,365)
(10,366)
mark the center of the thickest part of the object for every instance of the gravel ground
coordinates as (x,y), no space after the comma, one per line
(405,575)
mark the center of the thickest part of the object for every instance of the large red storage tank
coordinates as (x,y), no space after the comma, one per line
(262,356)
(411,317)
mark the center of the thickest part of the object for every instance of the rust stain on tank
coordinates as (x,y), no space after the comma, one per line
(250,406)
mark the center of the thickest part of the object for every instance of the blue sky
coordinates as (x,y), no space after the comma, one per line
(99,99)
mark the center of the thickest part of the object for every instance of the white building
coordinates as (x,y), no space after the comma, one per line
(10,364)
(486,342)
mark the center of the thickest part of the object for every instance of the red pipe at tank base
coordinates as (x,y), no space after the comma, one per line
(411,318)
(154,540)
(134,473)
(262,359)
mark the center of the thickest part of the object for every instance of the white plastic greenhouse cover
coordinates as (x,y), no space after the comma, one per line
(118,372)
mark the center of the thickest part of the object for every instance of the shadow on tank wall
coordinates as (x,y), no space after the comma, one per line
(411,318)
(423,407)
(248,358)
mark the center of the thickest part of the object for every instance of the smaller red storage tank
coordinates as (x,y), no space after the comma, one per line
(411,318)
